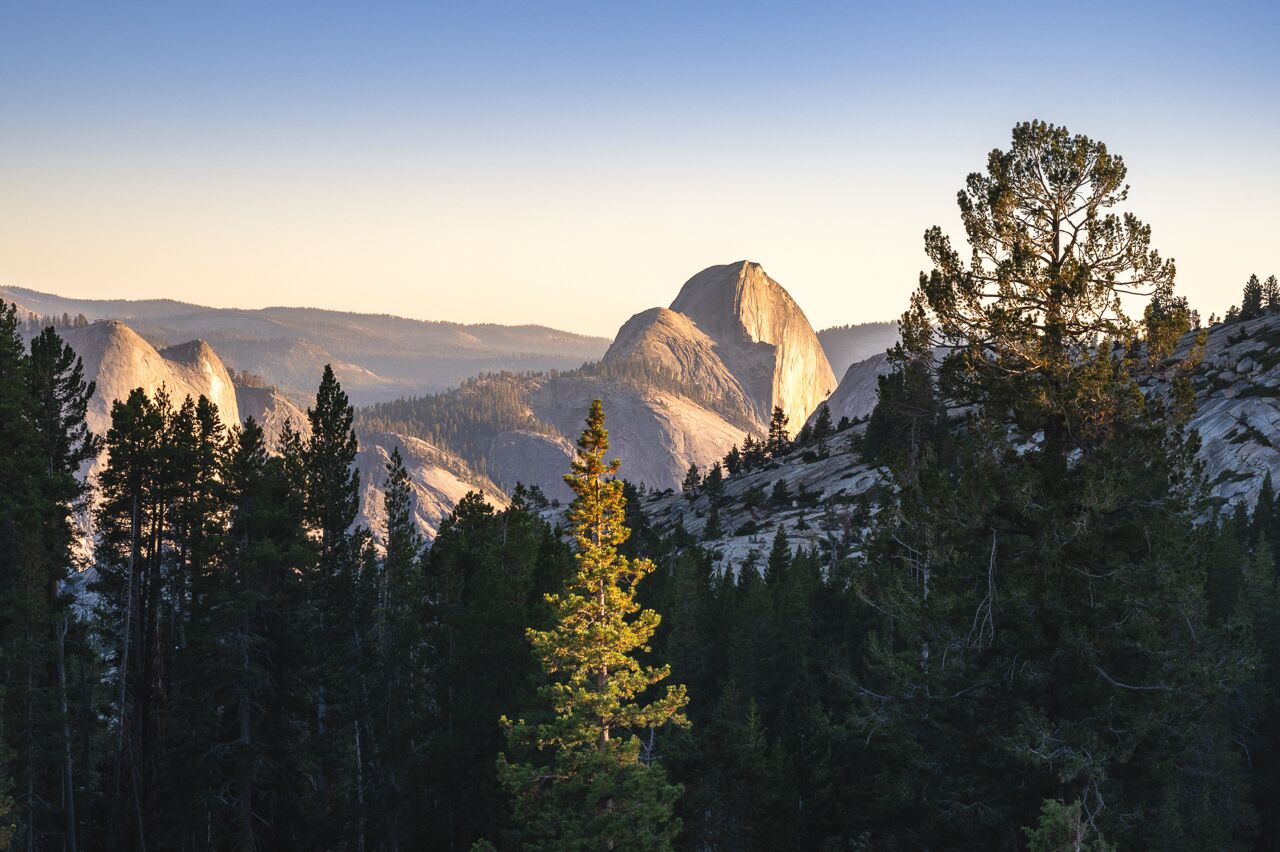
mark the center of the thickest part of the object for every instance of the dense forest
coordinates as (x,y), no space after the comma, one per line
(1045,638)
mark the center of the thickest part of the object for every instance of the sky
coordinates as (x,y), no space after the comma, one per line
(571,164)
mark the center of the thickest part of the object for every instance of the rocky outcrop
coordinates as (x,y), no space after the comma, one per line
(1237,406)
(680,385)
(118,360)
(762,336)
(271,410)
(524,457)
(438,479)
(856,395)
(656,433)
(671,345)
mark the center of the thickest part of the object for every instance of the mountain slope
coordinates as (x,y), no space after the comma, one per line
(374,356)
(117,360)
(680,386)
(762,336)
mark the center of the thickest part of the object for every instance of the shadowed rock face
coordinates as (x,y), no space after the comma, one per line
(859,390)
(533,459)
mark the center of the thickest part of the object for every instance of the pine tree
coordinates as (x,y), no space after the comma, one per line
(1252,299)
(713,530)
(591,789)
(339,611)
(779,558)
(1262,523)
(129,588)
(1063,828)
(1271,294)
(733,460)
(1089,586)
(48,440)
(713,483)
(402,696)
(754,454)
(779,440)
(692,482)
(822,428)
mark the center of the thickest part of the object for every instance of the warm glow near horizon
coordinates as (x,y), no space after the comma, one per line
(574,165)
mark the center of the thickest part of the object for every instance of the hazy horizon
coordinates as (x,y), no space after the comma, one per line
(569,166)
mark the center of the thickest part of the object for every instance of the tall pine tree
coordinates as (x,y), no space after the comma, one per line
(590,786)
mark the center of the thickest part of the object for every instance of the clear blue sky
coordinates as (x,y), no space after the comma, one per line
(571,164)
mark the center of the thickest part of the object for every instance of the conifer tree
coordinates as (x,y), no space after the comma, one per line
(822,425)
(692,482)
(779,558)
(1252,300)
(401,697)
(778,441)
(733,460)
(336,606)
(754,453)
(1066,626)
(713,483)
(45,397)
(590,788)
(1271,294)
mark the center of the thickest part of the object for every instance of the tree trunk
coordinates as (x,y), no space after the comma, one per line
(68,779)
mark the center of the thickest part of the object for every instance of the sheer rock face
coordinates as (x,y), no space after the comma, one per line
(682,385)
(762,336)
(119,360)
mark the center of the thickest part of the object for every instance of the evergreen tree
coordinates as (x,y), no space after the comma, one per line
(486,576)
(1252,299)
(692,482)
(733,460)
(754,454)
(1063,828)
(713,484)
(1271,294)
(1063,634)
(822,428)
(713,530)
(591,788)
(43,397)
(1262,525)
(779,558)
(397,661)
(779,440)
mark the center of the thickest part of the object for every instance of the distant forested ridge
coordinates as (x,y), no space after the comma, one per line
(848,344)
